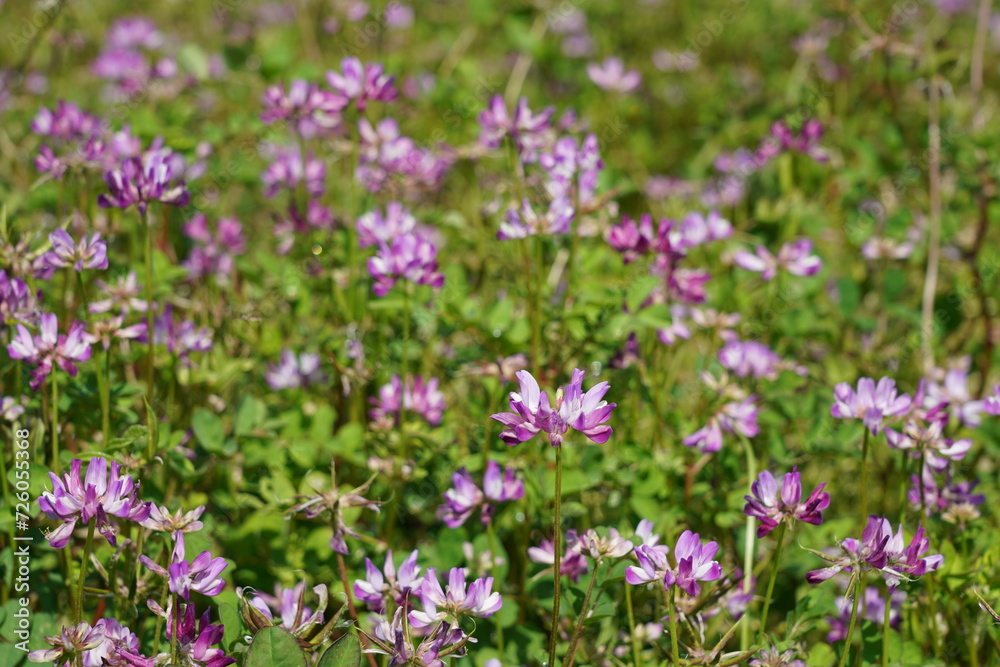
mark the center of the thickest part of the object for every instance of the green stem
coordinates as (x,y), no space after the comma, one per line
(578,630)
(102,379)
(557,539)
(748,550)
(855,579)
(631,626)
(864,479)
(54,413)
(149,306)
(176,611)
(885,626)
(774,575)
(83,570)
(675,654)
(494,572)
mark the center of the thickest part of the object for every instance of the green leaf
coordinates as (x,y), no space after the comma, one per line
(274,647)
(345,652)
(208,430)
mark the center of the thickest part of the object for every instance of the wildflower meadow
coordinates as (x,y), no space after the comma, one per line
(550,333)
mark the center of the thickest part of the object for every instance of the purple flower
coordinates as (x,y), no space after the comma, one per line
(48,348)
(193,643)
(953,391)
(806,141)
(991,405)
(11,408)
(771,507)
(734,417)
(600,547)
(378,587)
(121,296)
(214,253)
(527,129)
(693,564)
(200,575)
(90,253)
(455,600)
(871,403)
(161,519)
(180,336)
(955,501)
(17,301)
(926,437)
(75,641)
(793,257)
(464,497)
(612,75)
(526,221)
(533,413)
(410,257)
(420,397)
(73,500)
(878,549)
(750,358)
(286,172)
(143,180)
(573,563)
(630,239)
(67,122)
(310,110)
(289,606)
(294,372)
(772,657)
(362,83)
(374,228)
(116,636)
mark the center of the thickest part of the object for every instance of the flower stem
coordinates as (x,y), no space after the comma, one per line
(494,572)
(855,579)
(54,413)
(350,605)
(83,569)
(748,551)
(774,576)
(864,479)
(102,376)
(578,631)
(631,626)
(557,539)
(175,609)
(149,305)
(675,653)
(885,626)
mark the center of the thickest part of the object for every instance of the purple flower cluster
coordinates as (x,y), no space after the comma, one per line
(74,500)
(780,500)
(17,301)
(359,84)
(181,337)
(418,396)
(871,403)
(411,257)
(214,254)
(294,372)
(738,417)
(464,497)
(693,563)
(533,413)
(310,110)
(527,130)
(380,587)
(612,75)
(200,575)
(90,253)
(793,257)
(387,159)
(573,563)
(48,348)
(881,550)
(194,642)
(141,180)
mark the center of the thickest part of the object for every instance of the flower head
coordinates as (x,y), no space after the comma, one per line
(200,575)
(777,500)
(464,497)
(380,586)
(871,403)
(533,413)
(74,641)
(48,348)
(612,75)
(73,500)
(141,180)
(90,253)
